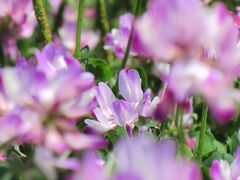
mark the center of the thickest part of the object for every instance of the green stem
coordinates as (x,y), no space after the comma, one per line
(202,132)
(41,16)
(126,55)
(104,24)
(103,17)
(59,17)
(77,52)
(179,118)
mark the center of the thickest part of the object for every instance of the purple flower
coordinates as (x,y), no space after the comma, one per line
(221,170)
(133,163)
(197,65)
(67,32)
(124,113)
(91,169)
(103,123)
(113,112)
(55,4)
(49,163)
(88,37)
(117,40)
(130,86)
(178,31)
(55,92)
(105,98)
(104,114)
(20,125)
(187,79)
(54,58)
(21,24)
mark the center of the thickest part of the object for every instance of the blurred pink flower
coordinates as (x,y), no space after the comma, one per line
(198,62)
(221,170)
(21,24)
(90,12)
(68,35)
(117,40)
(90,169)
(190,141)
(178,32)
(160,161)
(48,162)
(3,157)
(53,112)
(67,32)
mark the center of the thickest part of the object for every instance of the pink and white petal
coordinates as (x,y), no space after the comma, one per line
(130,86)
(220,170)
(124,113)
(97,125)
(105,98)
(81,141)
(55,142)
(235,166)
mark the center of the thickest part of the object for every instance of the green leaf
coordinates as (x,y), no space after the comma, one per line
(216,155)
(100,68)
(187,151)
(85,52)
(208,145)
(227,157)
(219,146)
(232,143)
(118,132)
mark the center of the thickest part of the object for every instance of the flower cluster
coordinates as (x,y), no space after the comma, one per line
(45,101)
(112,112)
(197,58)
(18,17)
(132,162)
(157,98)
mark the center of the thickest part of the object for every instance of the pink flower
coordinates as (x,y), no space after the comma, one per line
(2,157)
(21,24)
(187,79)
(48,162)
(160,161)
(117,40)
(113,112)
(91,169)
(190,141)
(67,32)
(88,38)
(125,114)
(177,33)
(221,170)
(38,105)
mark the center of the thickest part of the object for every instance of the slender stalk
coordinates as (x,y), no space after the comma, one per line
(104,24)
(41,16)
(59,16)
(77,52)
(103,16)
(126,55)
(179,118)
(202,132)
